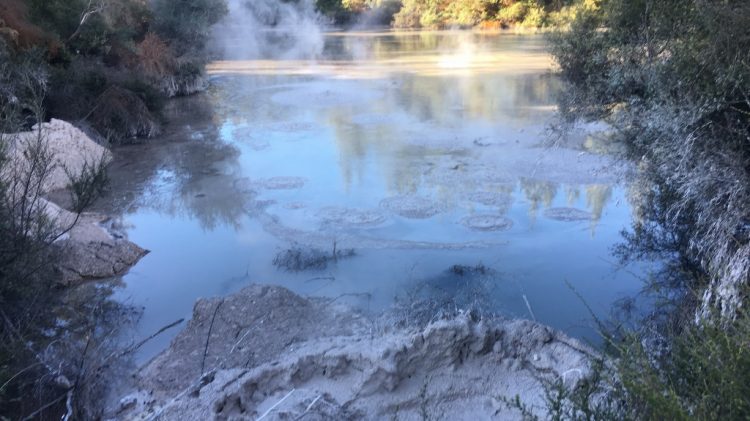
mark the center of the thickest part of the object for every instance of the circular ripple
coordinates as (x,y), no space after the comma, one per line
(489,198)
(487,223)
(567,214)
(351,217)
(414,207)
(283,183)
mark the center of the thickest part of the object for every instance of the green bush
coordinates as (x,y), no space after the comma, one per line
(469,12)
(514,13)
(535,17)
(409,15)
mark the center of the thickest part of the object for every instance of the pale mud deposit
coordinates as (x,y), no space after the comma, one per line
(350,217)
(265,352)
(567,214)
(93,247)
(412,207)
(247,185)
(487,222)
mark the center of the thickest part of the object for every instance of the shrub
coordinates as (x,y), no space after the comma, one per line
(513,13)
(535,17)
(700,373)
(122,116)
(155,57)
(409,15)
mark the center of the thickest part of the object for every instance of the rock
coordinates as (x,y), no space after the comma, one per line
(96,259)
(70,148)
(89,250)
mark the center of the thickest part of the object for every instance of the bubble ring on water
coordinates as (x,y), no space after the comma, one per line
(567,214)
(489,198)
(350,217)
(487,223)
(413,207)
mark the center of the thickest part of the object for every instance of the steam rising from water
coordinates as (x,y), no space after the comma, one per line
(269,29)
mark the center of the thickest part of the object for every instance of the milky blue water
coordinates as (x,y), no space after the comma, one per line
(399,146)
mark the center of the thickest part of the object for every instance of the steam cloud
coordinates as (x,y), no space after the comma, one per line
(269,29)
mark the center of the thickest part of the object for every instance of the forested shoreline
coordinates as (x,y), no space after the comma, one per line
(435,14)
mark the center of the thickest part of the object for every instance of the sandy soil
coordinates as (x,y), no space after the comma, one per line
(267,353)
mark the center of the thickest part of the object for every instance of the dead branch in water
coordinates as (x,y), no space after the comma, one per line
(152,336)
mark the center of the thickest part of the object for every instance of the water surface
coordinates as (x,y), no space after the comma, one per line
(420,151)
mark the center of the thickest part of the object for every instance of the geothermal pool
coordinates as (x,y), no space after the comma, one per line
(419,151)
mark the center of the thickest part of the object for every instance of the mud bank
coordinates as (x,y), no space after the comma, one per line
(265,352)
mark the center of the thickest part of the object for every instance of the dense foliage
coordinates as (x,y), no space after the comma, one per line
(455,13)
(111,63)
(672,77)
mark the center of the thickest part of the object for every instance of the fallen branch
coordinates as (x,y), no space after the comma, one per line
(143,342)
(208,337)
